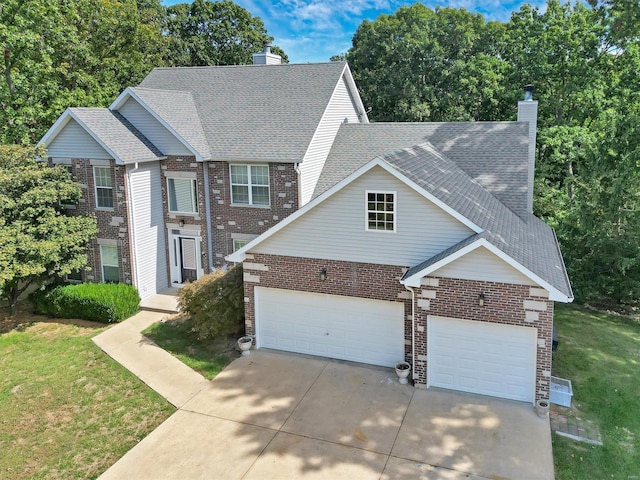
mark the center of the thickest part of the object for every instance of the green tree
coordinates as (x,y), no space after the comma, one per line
(59,54)
(214,33)
(420,64)
(37,239)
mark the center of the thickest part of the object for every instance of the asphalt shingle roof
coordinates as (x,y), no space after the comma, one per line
(492,153)
(528,240)
(178,109)
(115,131)
(255,112)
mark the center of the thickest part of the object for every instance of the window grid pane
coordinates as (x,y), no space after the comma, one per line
(380,211)
(250,184)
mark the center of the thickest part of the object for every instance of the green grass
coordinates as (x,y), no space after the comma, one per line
(600,354)
(208,357)
(67,409)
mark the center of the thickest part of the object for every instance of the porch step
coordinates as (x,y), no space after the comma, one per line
(163,302)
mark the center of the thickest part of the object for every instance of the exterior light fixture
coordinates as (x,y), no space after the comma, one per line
(323,274)
(481,298)
(181,223)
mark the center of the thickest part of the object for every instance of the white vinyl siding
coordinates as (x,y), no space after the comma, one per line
(151,128)
(103,187)
(340,107)
(250,184)
(109,263)
(73,141)
(148,230)
(183,196)
(481,264)
(335,228)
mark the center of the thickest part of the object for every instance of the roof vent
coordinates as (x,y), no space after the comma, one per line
(528,93)
(266,47)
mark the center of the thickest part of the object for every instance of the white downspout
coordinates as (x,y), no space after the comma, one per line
(296,167)
(207,210)
(132,228)
(413,332)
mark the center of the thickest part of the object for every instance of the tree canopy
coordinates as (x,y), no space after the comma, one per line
(38,240)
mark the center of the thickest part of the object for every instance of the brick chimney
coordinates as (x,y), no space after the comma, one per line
(528,112)
(266,57)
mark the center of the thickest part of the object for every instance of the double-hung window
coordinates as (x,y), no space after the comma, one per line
(183,195)
(109,261)
(381,211)
(238,244)
(104,187)
(250,184)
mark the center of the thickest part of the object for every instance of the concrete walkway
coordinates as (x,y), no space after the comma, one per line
(160,370)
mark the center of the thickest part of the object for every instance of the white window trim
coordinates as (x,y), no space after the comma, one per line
(102,264)
(194,200)
(366,211)
(95,188)
(249,184)
(239,243)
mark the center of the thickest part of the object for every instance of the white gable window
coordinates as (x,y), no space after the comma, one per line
(250,184)
(109,261)
(104,187)
(380,211)
(183,195)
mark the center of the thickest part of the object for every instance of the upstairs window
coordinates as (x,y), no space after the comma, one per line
(183,195)
(104,187)
(238,244)
(250,184)
(381,211)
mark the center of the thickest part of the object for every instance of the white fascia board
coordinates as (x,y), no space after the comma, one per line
(554,294)
(122,98)
(55,128)
(353,89)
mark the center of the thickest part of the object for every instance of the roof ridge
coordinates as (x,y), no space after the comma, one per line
(211,67)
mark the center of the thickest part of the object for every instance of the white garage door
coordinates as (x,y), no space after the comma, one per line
(479,357)
(348,328)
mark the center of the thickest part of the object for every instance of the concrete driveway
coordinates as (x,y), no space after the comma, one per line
(275,415)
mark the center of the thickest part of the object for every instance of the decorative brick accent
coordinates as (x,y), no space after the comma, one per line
(504,304)
(112,224)
(228,219)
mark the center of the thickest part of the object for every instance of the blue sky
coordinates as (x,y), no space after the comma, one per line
(313,30)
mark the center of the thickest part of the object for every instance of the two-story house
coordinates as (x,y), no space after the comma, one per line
(195,162)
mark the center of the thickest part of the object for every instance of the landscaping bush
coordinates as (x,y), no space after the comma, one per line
(99,302)
(215,303)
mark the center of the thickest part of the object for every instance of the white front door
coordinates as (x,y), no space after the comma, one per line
(347,328)
(185,256)
(481,357)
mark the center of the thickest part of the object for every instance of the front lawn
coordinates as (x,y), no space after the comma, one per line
(600,354)
(67,410)
(207,357)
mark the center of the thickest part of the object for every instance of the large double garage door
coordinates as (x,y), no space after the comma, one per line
(347,328)
(477,357)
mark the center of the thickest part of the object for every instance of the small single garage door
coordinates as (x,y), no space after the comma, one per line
(479,357)
(348,328)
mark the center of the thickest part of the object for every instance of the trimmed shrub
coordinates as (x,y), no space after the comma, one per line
(215,303)
(99,302)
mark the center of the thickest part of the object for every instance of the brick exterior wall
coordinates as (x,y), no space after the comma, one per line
(113,225)
(185,164)
(229,220)
(508,304)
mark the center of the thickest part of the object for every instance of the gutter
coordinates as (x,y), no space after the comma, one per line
(413,332)
(207,211)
